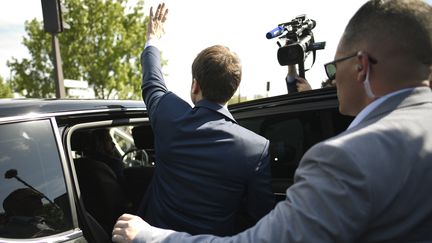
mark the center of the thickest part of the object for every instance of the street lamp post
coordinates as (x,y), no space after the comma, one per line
(58,70)
(53,23)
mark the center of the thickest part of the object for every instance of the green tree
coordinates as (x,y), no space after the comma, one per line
(5,89)
(102,46)
(236,99)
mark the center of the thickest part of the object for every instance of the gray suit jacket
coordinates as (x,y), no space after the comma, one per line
(372,183)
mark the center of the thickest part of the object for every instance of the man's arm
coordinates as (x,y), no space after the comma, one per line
(293,78)
(260,198)
(329,202)
(303,85)
(153,85)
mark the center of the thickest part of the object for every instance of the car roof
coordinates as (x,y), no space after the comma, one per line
(17,107)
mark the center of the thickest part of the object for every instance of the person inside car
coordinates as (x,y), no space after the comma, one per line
(101,147)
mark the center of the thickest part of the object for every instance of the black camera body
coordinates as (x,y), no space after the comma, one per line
(299,42)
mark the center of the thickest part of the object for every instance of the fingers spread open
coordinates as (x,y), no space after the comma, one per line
(151,13)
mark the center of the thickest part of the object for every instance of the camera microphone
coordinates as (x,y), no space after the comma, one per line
(275,32)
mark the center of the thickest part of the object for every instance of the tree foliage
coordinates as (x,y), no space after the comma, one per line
(239,99)
(5,89)
(102,46)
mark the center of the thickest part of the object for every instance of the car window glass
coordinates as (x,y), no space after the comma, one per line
(125,146)
(291,135)
(108,144)
(32,186)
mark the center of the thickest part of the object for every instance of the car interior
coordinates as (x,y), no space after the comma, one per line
(107,192)
(112,181)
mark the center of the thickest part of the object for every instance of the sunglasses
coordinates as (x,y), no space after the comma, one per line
(330,67)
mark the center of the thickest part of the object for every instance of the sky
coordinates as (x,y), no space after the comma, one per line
(193,25)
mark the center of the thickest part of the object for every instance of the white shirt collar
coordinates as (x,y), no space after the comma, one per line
(369,108)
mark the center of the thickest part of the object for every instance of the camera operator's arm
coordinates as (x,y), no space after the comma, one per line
(291,79)
(303,85)
(296,83)
(292,73)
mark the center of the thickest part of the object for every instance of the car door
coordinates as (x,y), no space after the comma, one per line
(292,124)
(105,186)
(35,187)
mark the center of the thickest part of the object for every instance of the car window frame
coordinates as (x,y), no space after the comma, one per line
(95,124)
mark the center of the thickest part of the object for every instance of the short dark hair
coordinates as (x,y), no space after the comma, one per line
(405,24)
(218,72)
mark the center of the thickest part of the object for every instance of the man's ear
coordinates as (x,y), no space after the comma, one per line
(196,88)
(362,66)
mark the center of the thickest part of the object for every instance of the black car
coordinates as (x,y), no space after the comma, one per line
(53,189)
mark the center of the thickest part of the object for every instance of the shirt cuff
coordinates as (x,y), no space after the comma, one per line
(152,42)
(290,78)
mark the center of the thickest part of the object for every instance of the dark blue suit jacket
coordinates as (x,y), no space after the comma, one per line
(208,168)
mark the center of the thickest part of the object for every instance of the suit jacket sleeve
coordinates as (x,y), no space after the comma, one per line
(260,199)
(329,202)
(153,85)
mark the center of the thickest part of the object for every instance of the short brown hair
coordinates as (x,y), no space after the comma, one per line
(218,72)
(406,24)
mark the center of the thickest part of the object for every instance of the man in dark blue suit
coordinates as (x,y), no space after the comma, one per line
(372,182)
(208,168)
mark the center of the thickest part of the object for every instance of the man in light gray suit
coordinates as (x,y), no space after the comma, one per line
(371,183)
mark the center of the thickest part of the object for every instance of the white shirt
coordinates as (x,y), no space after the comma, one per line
(152,42)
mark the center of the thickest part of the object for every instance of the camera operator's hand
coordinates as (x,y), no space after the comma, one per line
(302,84)
(155,27)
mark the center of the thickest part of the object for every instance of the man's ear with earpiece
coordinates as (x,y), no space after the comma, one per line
(361,67)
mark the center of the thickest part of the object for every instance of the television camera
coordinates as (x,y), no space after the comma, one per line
(299,43)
